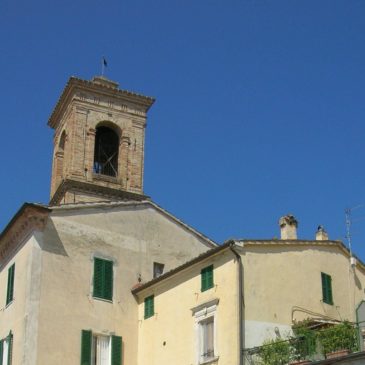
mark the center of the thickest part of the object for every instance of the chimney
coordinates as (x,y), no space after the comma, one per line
(288,227)
(321,234)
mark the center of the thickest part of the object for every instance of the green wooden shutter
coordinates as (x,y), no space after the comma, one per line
(10,289)
(326,288)
(203,280)
(149,307)
(329,289)
(86,345)
(98,278)
(108,280)
(207,280)
(103,279)
(116,350)
(210,280)
(152,305)
(10,347)
(1,351)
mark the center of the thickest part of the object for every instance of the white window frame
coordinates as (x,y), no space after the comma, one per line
(96,343)
(5,359)
(202,314)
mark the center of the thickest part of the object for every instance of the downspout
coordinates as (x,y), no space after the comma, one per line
(240,302)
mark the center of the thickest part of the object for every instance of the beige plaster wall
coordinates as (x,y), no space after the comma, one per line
(21,315)
(170,337)
(133,237)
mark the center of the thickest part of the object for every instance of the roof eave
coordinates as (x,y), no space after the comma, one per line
(75,82)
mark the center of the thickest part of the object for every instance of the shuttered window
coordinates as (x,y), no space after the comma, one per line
(86,346)
(103,279)
(1,351)
(10,348)
(99,349)
(6,350)
(116,350)
(10,287)
(327,288)
(207,280)
(149,305)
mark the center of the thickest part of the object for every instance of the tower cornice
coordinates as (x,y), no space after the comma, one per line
(107,89)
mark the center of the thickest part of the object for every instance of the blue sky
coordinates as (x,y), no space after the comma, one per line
(260,105)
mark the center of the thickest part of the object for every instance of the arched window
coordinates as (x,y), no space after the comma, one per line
(62,143)
(106,152)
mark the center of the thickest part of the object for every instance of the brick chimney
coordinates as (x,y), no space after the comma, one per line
(321,234)
(288,227)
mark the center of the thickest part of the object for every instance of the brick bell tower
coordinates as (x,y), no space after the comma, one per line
(98,142)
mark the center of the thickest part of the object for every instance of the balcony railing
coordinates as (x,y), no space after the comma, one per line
(309,344)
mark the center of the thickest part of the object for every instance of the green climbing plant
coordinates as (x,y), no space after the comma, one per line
(339,337)
(276,352)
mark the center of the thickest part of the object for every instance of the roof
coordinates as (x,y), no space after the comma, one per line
(75,82)
(242,243)
(280,242)
(195,260)
(23,208)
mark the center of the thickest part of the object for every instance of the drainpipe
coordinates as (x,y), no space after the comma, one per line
(240,301)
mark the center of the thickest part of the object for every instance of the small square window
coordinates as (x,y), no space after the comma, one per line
(207,280)
(157,269)
(149,305)
(327,288)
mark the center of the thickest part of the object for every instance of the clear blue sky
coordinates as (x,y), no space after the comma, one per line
(260,104)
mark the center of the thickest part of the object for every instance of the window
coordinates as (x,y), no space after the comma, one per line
(106,152)
(327,288)
(100,349)
(157,269)
(205,325)
(207,281)
(103,279)
(10,288)
(207,339)
(6,350)
(149,305)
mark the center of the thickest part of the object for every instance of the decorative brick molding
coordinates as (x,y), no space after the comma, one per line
(83,108)
(30,218)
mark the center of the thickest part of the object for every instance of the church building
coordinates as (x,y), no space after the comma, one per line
(67,268)
(102,275)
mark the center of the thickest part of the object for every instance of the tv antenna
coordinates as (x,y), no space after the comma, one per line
(349,221)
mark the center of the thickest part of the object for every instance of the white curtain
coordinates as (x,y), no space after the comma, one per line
(5,352)
(207,349)
(103,350)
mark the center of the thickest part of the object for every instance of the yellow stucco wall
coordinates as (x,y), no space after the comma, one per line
(283,283)
(169,337)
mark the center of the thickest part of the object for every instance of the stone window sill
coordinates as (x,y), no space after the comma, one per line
(106,178)
(209,361)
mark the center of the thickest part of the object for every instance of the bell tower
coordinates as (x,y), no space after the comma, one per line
(98,142)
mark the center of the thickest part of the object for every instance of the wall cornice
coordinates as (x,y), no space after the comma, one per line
(29,218)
